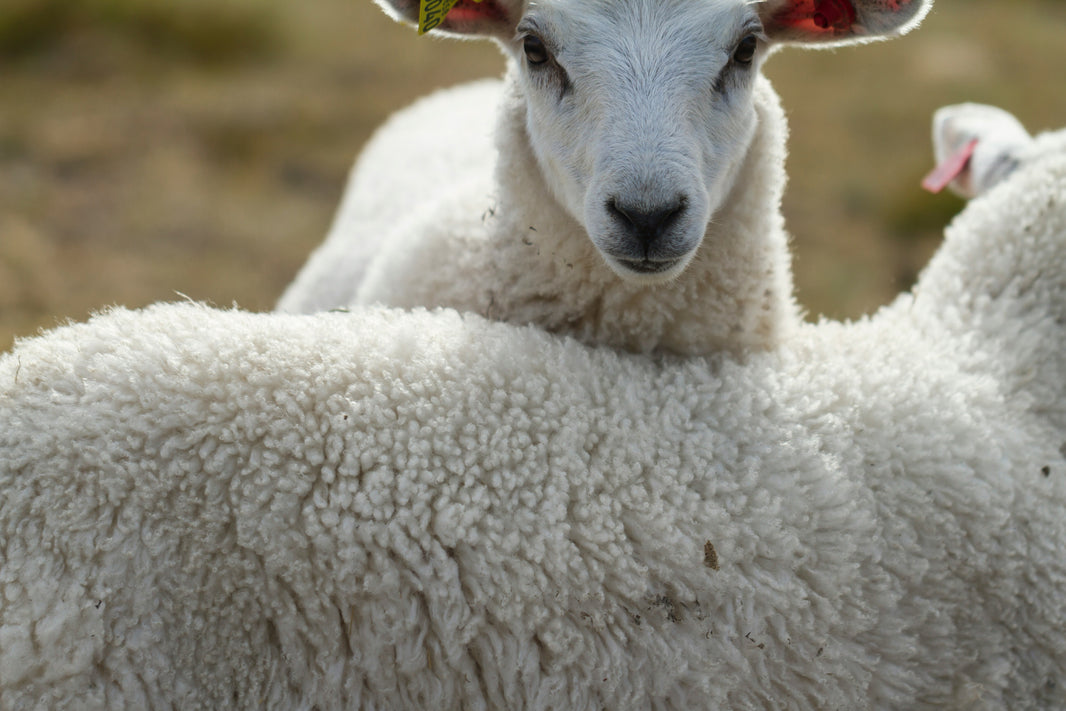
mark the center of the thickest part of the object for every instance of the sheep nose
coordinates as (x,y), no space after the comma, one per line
(646,225)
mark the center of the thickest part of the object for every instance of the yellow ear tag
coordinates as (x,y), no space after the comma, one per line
(432,12)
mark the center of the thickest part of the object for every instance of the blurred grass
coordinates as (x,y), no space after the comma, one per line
(860,143)
(198,30)
(151,147)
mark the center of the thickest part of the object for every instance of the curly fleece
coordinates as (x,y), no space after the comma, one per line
(409,510)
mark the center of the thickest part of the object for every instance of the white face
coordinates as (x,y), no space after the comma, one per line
(640,114)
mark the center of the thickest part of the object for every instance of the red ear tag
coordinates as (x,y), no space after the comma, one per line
(951,168)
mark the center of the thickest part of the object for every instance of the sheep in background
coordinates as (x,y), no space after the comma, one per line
(978,146)
(636,195)
(1002,268)
(387,509)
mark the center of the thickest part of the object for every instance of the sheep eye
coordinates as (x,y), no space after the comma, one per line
(536,52)
(745,51)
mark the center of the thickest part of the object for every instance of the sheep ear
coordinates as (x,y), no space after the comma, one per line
(839,21)
(466,18)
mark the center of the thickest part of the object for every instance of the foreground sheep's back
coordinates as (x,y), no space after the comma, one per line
(426,510)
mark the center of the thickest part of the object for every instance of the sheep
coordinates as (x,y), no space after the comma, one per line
(976,147)
(639,167)
(1000,257)
(427,509)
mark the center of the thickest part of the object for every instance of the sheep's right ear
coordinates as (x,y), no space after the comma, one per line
(836,22)
(488,18)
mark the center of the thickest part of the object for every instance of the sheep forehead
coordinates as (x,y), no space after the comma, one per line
(667,30)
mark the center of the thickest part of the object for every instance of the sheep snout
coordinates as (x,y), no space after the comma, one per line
(645,227)
(647,242)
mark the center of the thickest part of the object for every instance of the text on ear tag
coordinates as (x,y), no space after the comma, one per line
(431,13)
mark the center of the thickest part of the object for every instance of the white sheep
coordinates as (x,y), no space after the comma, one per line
(427,510)
(1001,255)
(976,146)
(639,166)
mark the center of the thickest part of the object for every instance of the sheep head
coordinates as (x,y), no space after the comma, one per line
(641,112)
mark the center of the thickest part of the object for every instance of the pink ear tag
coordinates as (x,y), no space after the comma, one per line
(950,169)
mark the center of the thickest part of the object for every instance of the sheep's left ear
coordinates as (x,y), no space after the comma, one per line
(839,21)
(466,18)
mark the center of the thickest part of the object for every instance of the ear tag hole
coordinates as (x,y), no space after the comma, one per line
(833,14)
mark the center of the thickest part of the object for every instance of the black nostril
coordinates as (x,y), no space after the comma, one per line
(645,224)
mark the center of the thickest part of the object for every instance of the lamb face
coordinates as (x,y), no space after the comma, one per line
(640,135)
(630,192)
(640,113)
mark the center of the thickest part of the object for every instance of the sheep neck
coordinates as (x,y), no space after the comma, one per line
(735,296)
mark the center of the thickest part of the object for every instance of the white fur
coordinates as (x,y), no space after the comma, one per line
(395,510)
(1005,252)
(642,108)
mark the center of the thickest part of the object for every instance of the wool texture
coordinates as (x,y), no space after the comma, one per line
(434,158)
(404,510)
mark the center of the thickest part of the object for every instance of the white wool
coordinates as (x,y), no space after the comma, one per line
(412,510)
(1002,272)
(392,184)
(642,105)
